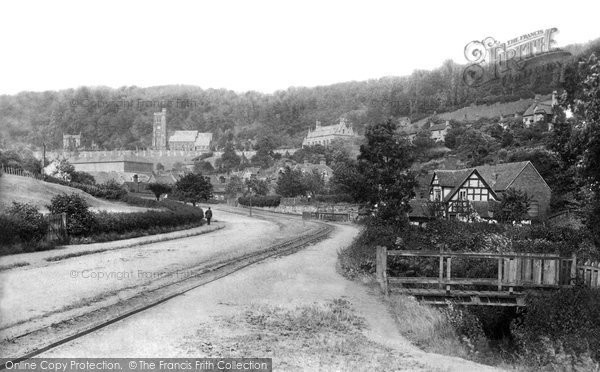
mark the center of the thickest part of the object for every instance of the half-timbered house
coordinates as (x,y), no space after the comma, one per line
(462,191)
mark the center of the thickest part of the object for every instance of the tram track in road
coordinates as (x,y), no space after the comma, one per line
(36,342)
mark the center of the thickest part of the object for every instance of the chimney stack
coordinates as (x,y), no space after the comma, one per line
(554,99)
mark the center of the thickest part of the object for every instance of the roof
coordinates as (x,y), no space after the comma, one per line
(311,167)
(409,131)
(341,128)
(183,136)
(167,179)
(203,139)
(544,107)
(501,176)
(437,127)
(452,178)
(104,157)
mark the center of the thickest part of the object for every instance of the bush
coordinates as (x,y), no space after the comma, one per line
(557,323)
(260,201)
(80,220)
(334,198)
(30,223)
(109,190)
(122,223)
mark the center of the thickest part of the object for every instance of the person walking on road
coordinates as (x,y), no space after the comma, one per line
(208,215)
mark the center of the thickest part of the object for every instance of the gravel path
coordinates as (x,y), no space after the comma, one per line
(48,292)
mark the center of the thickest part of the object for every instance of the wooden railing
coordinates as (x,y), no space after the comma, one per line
(20,172)
(515,270)
(326,216)
(589,274)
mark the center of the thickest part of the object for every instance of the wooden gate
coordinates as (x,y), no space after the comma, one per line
(57,228)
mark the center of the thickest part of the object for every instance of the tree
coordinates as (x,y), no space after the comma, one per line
(348,180)
(159,189)
(313,182)
(512,206)
(257,187)
(193,188)
(234,186)
(383,164)
(80,220)
(202,166)
(289,183)
(587,111)
(160,167)
(64,170)
(229,160)
(83,177)
(264,152)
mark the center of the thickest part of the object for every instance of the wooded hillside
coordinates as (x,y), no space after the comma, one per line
(122,118)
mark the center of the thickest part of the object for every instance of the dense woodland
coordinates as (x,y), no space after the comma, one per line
(122,118)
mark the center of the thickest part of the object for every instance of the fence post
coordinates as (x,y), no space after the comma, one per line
(381,267)
(500,272)
(573,279)
(448,272)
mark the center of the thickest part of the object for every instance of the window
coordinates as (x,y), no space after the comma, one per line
(534,209)
(462,195)
(437,195)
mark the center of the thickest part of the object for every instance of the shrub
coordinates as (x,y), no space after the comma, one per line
(563,322)
(122,223)
(30,223)
(260,201)
(108,190)
(334,198)
(80,220)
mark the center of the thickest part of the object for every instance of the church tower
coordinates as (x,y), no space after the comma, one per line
(159,134)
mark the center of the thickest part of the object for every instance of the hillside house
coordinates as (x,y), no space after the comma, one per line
(326,135)
(437,131)
(322,169)
(539,111)
(481,185)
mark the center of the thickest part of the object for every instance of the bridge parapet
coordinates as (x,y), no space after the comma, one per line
(517,273)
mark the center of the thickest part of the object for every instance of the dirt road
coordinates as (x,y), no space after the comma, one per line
(295,309)
(45,292)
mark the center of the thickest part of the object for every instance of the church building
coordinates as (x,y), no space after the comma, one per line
(326,135)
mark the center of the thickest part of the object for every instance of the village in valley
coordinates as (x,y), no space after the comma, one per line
(444,219)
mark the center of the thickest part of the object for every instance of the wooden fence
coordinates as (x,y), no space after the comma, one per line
(21,172)
(589,274)
(326,216)
(531,270)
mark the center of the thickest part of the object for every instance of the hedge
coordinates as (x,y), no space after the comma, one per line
(109,190)
(260,201)
(334,198)
(22,226)
(126,222)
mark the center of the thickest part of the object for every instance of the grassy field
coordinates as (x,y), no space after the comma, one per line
(36,192)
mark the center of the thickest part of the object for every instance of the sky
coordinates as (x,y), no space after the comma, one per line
(257,45)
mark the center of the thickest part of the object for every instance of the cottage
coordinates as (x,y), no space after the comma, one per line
(476,187)
(437,131)
(322,169)
(539,111)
